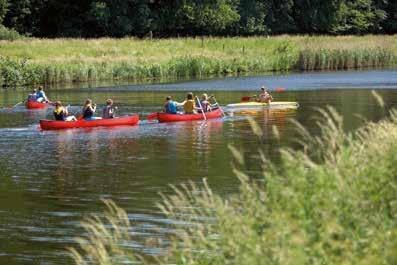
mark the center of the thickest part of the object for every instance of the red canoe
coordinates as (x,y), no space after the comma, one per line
(31,104)
(58,125)
(167,117)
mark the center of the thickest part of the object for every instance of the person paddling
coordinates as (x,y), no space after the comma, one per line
(189,105)
(170,106)
(61,113)
(41,96)
(89,110)
(205,104)
(264,96)
(109,110)
(33,95)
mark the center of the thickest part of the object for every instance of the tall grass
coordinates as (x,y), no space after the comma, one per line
(73,60)
(106,235)
(334,201)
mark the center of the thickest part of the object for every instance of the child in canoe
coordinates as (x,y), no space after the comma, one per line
(205,104)
(33,95)
(170,106)
(89,111)
(109,110)
(61,113)
(264,96)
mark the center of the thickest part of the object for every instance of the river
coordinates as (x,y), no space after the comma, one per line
(50,180)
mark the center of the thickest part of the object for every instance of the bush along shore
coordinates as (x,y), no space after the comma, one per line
(32,61)
(332,202)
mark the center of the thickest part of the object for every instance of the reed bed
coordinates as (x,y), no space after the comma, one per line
(29,61)
(331,202)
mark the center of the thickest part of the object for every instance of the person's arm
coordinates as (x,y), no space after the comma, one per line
(180,104)
(45,96)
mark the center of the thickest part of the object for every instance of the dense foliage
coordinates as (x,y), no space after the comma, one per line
(119,18)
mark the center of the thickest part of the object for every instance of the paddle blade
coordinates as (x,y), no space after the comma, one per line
(280,89)
(152,116)
(245,99)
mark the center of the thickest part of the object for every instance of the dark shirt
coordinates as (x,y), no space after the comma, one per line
(87,113)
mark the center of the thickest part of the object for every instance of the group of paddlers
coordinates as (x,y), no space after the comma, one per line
(61,112)
(191,105)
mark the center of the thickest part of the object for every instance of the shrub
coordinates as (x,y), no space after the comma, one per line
(8,34)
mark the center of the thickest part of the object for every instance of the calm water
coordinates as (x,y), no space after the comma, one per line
(50,180)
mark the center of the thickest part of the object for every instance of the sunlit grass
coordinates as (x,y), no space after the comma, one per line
(70,60)
(333,201)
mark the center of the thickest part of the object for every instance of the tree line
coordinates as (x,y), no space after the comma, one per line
(171,18)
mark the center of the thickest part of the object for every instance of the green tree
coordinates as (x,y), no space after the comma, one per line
(390,23)
(358,17)
(210,16)
(280,17)
(119,18)
(315,16)
(3,9)
(252,17)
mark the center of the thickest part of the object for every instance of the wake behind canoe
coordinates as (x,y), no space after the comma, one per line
(118,121)
(274,104)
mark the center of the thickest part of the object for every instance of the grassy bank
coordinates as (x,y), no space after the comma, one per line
(29,61)
(335,202)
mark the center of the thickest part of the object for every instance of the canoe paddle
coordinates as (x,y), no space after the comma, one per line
(201,107)
(19,103)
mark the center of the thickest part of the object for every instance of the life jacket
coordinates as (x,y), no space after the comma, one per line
(108,112)
(87,112)
(59,114)
(189,105)
(170,107)
(205,106)
(40,94)
(32,97)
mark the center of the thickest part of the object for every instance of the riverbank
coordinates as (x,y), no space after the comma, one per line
(30,61)
(334,202)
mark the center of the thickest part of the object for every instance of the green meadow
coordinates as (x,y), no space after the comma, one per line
(49,61)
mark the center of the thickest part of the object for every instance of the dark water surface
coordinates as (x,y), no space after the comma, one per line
(50,180)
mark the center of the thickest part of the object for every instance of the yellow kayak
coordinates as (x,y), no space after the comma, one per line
(274,104)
